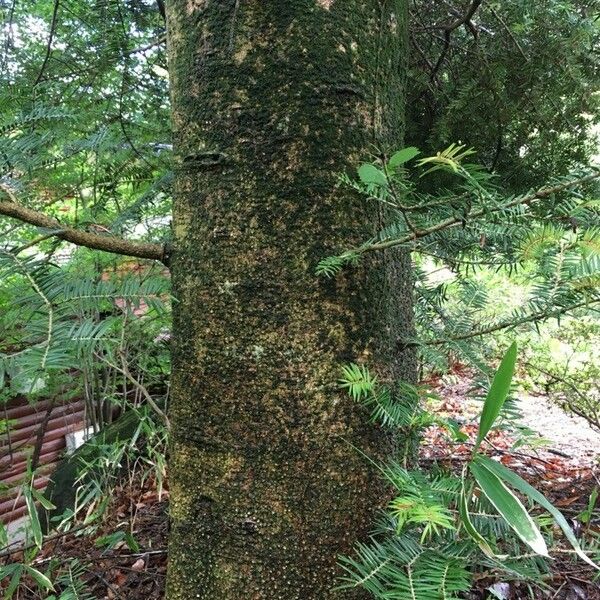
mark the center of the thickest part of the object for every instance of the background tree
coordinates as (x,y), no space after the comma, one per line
(515,80)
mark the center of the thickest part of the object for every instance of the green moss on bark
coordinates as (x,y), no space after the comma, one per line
(271,101)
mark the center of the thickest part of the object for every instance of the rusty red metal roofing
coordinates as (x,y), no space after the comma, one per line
(17,446)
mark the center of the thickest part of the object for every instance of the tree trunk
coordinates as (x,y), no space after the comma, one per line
(272,100)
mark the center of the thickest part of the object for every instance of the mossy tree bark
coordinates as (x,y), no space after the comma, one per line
(271,101)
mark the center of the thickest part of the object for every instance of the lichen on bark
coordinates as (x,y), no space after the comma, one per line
(271,101)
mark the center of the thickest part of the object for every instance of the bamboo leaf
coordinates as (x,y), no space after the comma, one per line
(39,578)
(463,509)
(16,570)
(8,570)
(42,499)
(510,477)
(34,521)
(509,507)
(497,393)
(3,535)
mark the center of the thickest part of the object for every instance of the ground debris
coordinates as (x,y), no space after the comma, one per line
(114,572)
(566,476)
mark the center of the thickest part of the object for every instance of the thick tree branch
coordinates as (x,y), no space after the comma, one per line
(106,243)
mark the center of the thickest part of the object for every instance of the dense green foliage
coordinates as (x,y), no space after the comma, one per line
(471,224)
(84,112)
(441,529)
(518,82)
(85,137)
(562,362)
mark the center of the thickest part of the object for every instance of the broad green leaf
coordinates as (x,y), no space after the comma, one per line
(510,477)
(34,521)
(403,156)
(370,174)
(497,393)
(509,507)
(463,509)
(39,578)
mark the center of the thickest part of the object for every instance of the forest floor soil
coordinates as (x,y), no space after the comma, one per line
(565,467)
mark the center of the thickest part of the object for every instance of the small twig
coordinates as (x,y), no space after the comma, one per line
(51,538)
(37,449)
(37,240)
(558,453)
(106,583)
(49,44)
(594,418)
(124,370)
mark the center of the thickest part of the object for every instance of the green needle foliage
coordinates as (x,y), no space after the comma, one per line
(437,532)
(551,235)
(54,316)
(517,80)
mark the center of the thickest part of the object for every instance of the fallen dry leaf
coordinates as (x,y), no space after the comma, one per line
(138,565)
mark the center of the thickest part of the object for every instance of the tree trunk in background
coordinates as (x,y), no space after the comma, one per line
(272,100)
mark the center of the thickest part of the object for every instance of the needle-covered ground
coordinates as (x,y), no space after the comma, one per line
(565,467)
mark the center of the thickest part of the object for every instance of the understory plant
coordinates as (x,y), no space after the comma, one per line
(99,472)
(442,527)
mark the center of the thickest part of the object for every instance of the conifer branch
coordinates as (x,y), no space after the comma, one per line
(531,318)
(38,290)
(459,220)
(106,243)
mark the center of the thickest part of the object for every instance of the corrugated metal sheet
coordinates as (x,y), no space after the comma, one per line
(18,444)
